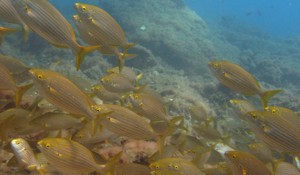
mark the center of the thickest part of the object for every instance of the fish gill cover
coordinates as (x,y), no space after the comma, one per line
(193,75)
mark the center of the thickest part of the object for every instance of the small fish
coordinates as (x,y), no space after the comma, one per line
(149,106)
(63,93)
(55,121)
(18,69)
(14,122)
(105,95)
(7,82)
(124,122)
(242,163)
(261,151)
(45,20)
(5,31)
(9,14)
(209,132)
(87,136)
(24,154)
(70,157)
(88,32)
(238,79)
(118,83)
(105,28)
(172,166)
(127,72)
(188,144)
(243,106)
(277,132)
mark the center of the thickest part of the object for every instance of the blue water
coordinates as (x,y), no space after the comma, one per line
(276,17)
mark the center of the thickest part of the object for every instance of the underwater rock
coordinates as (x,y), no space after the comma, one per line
(174,33)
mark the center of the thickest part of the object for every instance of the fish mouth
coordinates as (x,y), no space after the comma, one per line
(31,71)
(39,144)
(77,5)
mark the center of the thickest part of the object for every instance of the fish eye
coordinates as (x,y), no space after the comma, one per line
(26,8)
(273,111)
(83,8)
(254,116)
(18,142)
(91,19)
(215,65)
(157,166)
(39,76)
(58,154)
(176,167)
(97,108)
(47,145)
(234,156)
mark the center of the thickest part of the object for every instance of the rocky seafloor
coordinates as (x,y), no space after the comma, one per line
(174,47)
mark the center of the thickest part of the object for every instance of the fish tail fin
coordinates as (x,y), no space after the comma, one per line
(20,92)
(140,88)
(25,33)
(109,168)
(128,46)
(84,50)
(172,126)
(122,57)
(6,31)
(138,79)
(161,143)
(267,95)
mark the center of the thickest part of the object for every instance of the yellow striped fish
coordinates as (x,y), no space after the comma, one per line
(109,30)
(277,132)
(238,79)
(117,83)
(45,20)
(149,106)
(124,122)
(86,33)
(105,29)
(105,95)
(51,121)
(70,157)
(242,163)
(63,93)
(127,72)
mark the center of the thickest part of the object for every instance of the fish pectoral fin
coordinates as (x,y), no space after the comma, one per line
(20,92)
(84,50)
(244,172)
(25,33)
(128,46)
(59,46)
